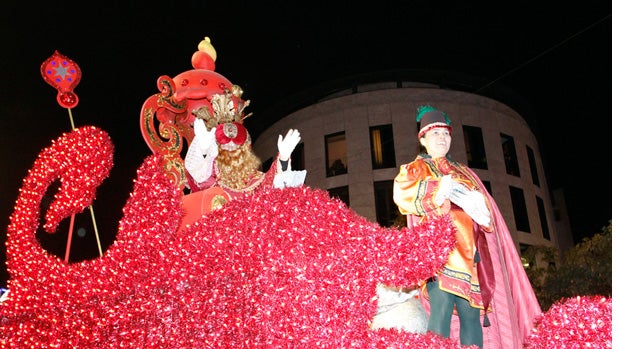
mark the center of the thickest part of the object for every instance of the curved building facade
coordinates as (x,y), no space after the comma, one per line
(354,140)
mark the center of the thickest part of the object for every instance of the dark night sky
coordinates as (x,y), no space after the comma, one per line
(556,56)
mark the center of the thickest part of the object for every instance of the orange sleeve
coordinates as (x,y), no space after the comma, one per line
(415,187)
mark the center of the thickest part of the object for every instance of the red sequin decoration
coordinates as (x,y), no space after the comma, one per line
(574,323)
(289,268)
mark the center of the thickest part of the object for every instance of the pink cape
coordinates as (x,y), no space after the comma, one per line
(514,305)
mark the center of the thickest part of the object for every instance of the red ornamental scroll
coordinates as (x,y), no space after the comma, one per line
(64,75)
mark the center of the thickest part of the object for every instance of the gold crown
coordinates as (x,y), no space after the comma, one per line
(223,108)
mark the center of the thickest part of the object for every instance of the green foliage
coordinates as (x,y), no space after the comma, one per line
(585,269)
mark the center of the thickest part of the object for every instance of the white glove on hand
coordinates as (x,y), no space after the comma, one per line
(201,152)
(458,194)
(289,179)
(288,144)
(206,139)
(475,206)
(471,201)
(445,188)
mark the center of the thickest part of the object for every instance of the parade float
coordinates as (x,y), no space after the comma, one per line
(269,267)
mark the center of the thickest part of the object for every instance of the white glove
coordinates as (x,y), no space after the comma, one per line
(201,152)
(288,144)
(471,201)
(458,194)
(445,188)
(289,179)
(481,212)
(475,206)
(206,139)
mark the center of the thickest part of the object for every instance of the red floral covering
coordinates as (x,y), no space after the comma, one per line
(574,323)
(288,268)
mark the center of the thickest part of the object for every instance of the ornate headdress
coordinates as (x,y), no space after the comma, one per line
(167,117)
(227,117)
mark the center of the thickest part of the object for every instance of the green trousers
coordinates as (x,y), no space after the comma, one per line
(442,306)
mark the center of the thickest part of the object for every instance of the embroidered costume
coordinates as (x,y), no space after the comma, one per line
(417,197)
(483,275)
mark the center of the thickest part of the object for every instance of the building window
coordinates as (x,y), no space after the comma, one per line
(382,146)
(487,185)
(336,154)
(533,170)
(341,193)
(510,155)
(267,165)
(385,209)
(519,209)
(543,218)
(298,160)
(474,147)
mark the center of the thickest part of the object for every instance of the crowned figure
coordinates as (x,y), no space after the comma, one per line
(204,109)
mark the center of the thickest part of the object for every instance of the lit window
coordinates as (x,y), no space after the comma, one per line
(336,154)
(382,146)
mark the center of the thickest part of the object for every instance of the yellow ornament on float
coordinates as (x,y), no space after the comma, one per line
(206,47)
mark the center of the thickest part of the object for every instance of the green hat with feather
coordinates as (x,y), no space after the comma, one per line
(429,117)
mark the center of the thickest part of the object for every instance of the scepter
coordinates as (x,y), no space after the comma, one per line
(64,74)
